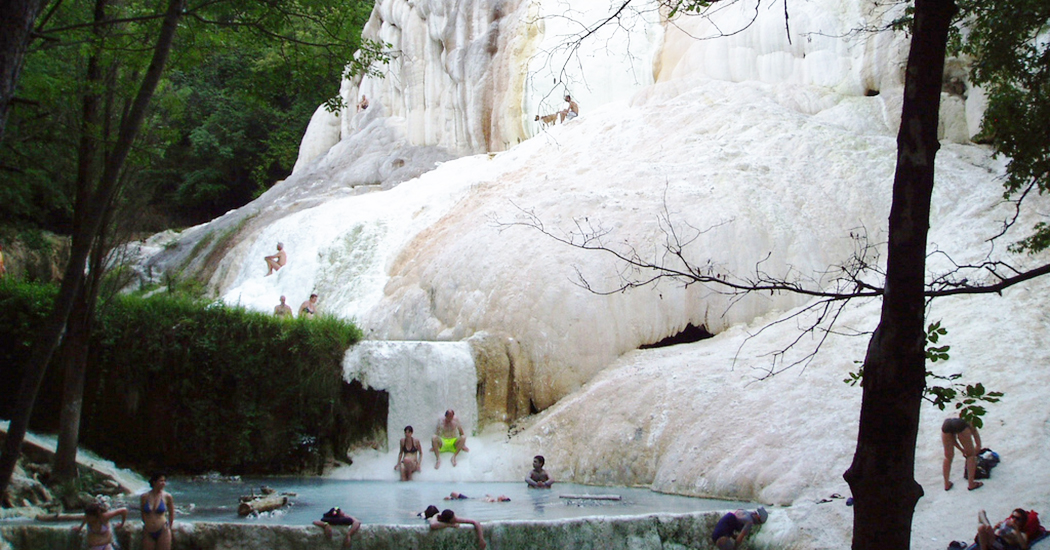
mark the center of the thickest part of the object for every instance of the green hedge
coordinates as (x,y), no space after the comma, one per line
(189,386)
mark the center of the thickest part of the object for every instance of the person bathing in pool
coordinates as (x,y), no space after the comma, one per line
(447,518)
(99,534)
(158,515)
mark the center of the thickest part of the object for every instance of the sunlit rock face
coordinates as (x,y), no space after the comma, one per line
(733,145)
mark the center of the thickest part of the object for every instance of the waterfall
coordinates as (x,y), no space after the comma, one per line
(423,380)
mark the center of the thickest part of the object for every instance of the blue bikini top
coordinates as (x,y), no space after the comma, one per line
(159,510)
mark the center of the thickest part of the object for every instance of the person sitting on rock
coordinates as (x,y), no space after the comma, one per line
(570,112)
(448,438)
(276,261)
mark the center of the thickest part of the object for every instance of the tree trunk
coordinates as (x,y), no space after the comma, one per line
(74,357)
(882,474)
(16,22)
(88,226)
(75,347)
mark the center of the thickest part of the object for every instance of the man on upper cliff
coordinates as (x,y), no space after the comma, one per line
(449,438)
(276,261)
(570,112)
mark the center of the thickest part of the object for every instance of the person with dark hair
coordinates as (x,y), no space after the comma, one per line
(308,308)
(430,512)
(734,527)
(957,433)
(335,516)
(1008,535)
(538,478)
(158,515)
(570,112)
(448,518)
(410,457)
(99,534)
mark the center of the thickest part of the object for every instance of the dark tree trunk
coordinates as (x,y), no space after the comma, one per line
(16,23)
(73,356)
(75,346)
(89,220)
(882,474)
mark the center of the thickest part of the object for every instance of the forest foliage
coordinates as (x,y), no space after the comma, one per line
(193,386)
(225,123)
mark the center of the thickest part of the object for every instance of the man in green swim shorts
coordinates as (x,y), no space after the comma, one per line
(449,438)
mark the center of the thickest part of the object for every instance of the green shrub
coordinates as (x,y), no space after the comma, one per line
(189,386)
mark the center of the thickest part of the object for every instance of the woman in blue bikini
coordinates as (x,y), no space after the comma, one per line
(158,515)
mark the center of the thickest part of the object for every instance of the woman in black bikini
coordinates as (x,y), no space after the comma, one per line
(156,504)
(410,458)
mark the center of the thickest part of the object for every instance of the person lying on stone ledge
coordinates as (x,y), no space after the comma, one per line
(335,516)
(447,518)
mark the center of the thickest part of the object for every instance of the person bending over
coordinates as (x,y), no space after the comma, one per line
(956,433)
(734,527)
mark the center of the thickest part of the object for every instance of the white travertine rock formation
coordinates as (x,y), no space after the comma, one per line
(766,156)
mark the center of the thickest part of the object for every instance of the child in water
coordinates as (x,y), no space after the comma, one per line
(538,478)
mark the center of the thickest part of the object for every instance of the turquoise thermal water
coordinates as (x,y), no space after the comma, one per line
(397,503)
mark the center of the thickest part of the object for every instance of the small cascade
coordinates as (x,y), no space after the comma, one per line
(423,380)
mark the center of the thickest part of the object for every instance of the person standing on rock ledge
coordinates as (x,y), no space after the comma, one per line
(449,438)
(158,515)
(308,308)
(282,309)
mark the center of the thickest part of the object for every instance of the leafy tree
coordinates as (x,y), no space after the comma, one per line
(110,126)
(16,23)
(1012,64)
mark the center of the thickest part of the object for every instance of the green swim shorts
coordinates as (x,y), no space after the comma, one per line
(448,444)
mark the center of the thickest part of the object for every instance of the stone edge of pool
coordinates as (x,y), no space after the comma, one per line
(643,532)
